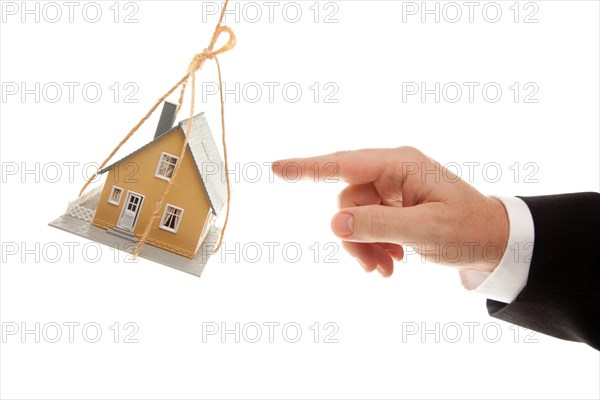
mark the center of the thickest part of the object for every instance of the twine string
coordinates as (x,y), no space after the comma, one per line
(197,62)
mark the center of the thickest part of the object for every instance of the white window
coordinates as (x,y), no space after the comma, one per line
(171,218)
(115,195)
(166,166)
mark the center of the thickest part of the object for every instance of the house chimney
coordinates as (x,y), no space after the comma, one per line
(167,119)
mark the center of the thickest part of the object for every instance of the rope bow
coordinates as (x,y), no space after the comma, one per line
(197,62)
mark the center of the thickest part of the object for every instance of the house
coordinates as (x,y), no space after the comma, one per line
(135,183)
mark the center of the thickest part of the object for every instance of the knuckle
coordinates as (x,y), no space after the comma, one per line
(410,153)
(377,229)
(408,150)
(338,155)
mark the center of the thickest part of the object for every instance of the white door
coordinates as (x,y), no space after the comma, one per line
(131,209)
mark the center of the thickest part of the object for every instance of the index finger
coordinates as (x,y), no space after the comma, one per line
(356,167)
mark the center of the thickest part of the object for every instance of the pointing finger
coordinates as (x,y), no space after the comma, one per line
(355,167)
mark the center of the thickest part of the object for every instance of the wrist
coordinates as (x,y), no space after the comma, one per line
(497,237)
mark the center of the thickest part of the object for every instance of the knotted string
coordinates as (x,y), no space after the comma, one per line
(197,62)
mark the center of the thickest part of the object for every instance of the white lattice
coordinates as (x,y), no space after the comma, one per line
(85,197)
(82,213)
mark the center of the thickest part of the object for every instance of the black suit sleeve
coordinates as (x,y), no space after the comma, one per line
(562,294)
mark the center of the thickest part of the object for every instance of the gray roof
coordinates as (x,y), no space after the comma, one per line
(204,151)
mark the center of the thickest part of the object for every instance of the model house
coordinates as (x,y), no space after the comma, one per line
(134,184)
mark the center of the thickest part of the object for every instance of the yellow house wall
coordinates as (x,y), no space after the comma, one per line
(136,173)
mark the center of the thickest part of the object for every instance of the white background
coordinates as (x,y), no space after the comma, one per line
(368,54)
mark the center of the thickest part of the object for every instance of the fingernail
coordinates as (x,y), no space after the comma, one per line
(343,224)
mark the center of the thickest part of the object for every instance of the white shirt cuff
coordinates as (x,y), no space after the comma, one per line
(510,276)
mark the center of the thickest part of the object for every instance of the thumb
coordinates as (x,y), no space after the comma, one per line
(377,223)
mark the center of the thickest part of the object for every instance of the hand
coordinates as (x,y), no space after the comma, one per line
(400,196)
